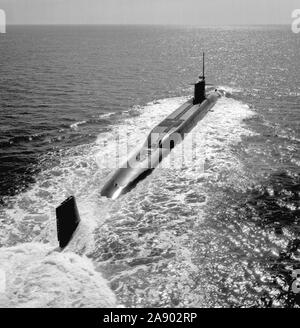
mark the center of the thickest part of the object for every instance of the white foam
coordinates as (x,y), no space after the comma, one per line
(107,115)
(38,277)
(229,89)
(75,126)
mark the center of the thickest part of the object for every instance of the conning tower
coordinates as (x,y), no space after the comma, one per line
(199,93)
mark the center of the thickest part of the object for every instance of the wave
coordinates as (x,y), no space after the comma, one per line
(61,133)
(229,91)
(23,138)
(75,125)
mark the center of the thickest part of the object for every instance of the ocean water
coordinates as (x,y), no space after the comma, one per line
(220,231)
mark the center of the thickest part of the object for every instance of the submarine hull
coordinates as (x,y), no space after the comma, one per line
(160,142)
(158,145)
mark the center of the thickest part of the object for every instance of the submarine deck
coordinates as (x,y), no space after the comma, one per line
(173,121)
(176,118)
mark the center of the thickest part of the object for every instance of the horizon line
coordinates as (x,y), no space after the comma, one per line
(143,24)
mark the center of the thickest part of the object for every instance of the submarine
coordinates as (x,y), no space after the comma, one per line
(162,139)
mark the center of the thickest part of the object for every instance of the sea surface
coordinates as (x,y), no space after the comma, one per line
(220,231)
